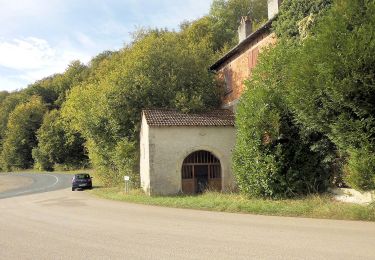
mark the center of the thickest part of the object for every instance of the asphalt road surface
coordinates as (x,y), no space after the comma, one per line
(63,224)
(19,184)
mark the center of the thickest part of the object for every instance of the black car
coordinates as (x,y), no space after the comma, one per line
(82,180)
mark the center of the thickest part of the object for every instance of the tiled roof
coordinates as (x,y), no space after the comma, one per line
(164,117)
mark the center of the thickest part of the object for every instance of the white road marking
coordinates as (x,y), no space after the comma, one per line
(44,188)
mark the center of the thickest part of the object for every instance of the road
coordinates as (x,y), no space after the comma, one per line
(19,184)
(63,224)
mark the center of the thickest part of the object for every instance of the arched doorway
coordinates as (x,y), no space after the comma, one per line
(201,170)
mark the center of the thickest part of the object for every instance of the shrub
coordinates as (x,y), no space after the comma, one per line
(331,85)
(114,164)
(360,169)
(274,156)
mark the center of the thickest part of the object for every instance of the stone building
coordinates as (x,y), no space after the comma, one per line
(188,153)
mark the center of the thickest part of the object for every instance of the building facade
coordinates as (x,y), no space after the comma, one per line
(186,153)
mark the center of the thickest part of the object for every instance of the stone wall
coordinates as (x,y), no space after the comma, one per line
(169,146)
(145,156)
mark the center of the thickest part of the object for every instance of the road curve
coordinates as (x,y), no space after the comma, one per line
(34,183)
(74,225)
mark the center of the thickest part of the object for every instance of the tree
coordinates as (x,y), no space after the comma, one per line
(275,157)
(159,69)
(3,96)
(6,107)
(225,17)
(298,17)
(58,145)
(20,137)
(335,96)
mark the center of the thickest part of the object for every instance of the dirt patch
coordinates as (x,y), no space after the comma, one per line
(14,182)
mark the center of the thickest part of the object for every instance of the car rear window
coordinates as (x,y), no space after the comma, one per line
(82,176)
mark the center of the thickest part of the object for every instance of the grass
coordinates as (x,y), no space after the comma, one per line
(323,206)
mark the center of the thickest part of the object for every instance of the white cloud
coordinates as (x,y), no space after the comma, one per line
(28,53)
(31,59)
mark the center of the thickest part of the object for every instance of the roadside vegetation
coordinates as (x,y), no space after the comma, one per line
(313,206)
(305,122)
(89,116)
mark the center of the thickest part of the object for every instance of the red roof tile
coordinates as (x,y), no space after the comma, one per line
(164,117)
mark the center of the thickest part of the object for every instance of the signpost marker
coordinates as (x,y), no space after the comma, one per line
(126,179)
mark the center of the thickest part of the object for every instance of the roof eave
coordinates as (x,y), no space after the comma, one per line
(239,47)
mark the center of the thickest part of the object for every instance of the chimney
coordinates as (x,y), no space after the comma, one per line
(273,8)
(245,28)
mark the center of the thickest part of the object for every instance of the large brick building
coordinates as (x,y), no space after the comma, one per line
(183,153)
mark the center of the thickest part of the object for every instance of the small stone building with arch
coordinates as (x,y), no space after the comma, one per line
(186,153)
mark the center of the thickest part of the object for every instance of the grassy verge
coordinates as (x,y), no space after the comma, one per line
(311,207)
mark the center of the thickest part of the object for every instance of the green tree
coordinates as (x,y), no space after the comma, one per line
(298,17)
(332,85)
(274,157)
(225,17)
(6,107)
(159,69)
(20,137)
(58,145)
(3,96)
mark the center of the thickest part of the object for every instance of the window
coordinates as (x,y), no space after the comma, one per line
(253,57)
(228,74)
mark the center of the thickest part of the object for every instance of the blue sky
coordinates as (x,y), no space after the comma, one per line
(41,37)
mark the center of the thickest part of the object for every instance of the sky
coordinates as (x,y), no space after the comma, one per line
(41,37)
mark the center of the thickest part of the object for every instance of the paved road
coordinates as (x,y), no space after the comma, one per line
(20,184)
(74,225)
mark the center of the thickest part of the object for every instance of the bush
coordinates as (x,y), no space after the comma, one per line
(274,156)
(331,85)
(360,169)
(114,164)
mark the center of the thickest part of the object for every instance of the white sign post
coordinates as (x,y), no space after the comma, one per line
(126,179)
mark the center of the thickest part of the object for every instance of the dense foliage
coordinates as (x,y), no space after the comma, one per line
(336,95)
(102,101)
(298,17)
(20,137)
(274,156)
(160,69)
(307,110)
(309,107)
(58,146)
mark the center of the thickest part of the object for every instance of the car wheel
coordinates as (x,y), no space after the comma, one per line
(73,189)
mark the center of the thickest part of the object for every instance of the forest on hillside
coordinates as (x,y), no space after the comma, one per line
(89,115)
(305,122)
